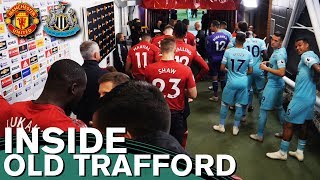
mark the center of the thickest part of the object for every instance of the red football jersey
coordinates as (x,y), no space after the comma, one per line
(157,40)
(187,54)
(29,115)
(190,39)
(172,79)
(140,56)
(4,109)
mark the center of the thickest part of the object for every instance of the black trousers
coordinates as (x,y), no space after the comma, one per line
(177,125)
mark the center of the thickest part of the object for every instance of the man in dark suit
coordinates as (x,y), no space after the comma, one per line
(91,54)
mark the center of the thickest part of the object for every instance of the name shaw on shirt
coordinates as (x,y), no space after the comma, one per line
(141,47)
(167,71)
(183,49)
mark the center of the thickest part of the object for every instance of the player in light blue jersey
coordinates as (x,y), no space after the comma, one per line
(300,109)
(238,62)
(257,47)
(223,29)
(272,93)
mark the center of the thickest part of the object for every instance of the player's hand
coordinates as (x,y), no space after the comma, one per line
(263,65)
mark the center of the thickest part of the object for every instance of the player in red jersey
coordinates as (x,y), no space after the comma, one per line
(4,109)
(176,82)
(64,87)
(186,54)
(141,55)
(189,38)
(167,32)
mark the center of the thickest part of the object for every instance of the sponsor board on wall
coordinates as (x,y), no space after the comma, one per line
(3,45)
(48,53)
(17,86)
(15,59)
(35,68)
(32,45)
(5,82)
(5,72)
(3,55)
(12,42)
(4,63)
(15,68)
(40,42)
(25,63)
(23,48)
(33,59)
(6,93)
(16,77)
(26,60)
(13,52)
(22,40)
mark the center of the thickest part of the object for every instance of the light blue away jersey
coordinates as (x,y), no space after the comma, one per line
(305,86)
(277,60)
(237,60)
(255,46)
(226,32)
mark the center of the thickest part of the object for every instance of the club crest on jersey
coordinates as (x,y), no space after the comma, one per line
(22,19)
(59,24)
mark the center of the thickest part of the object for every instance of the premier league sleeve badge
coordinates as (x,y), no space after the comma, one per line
(60,24)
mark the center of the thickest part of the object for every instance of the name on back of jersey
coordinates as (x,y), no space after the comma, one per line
(178,49)
(167,70)
(220,36)
(141,47)
(239,54)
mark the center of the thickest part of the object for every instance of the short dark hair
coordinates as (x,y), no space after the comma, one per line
(168,27)
(180,30)
(215,23)
(167,44)
(145,108)
(118,35)
(304,39)
(243,26)
(64,73)
(116,78)
(223,23)
(186,22)
(241,37)
(145,35)
(279,34)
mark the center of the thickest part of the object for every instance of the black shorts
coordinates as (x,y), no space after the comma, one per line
(177,125)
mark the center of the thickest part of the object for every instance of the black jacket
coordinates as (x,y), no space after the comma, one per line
(89,101)
(119,61)
(163,140)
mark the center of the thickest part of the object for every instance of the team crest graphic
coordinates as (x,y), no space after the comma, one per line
(22,19)
(61,24)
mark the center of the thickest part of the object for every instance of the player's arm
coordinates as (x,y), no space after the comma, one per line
(278,72)
(192,92)
(281,63)
(224,61)
(250,70)
(208,46)
(223,68)
(128,67)
(156,54)
(204,68)
(316,68)
(191,85)
(265,55)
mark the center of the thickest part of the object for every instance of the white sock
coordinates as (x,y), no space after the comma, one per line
(299,151)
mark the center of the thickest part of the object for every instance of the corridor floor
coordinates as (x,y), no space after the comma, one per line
(252,162)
